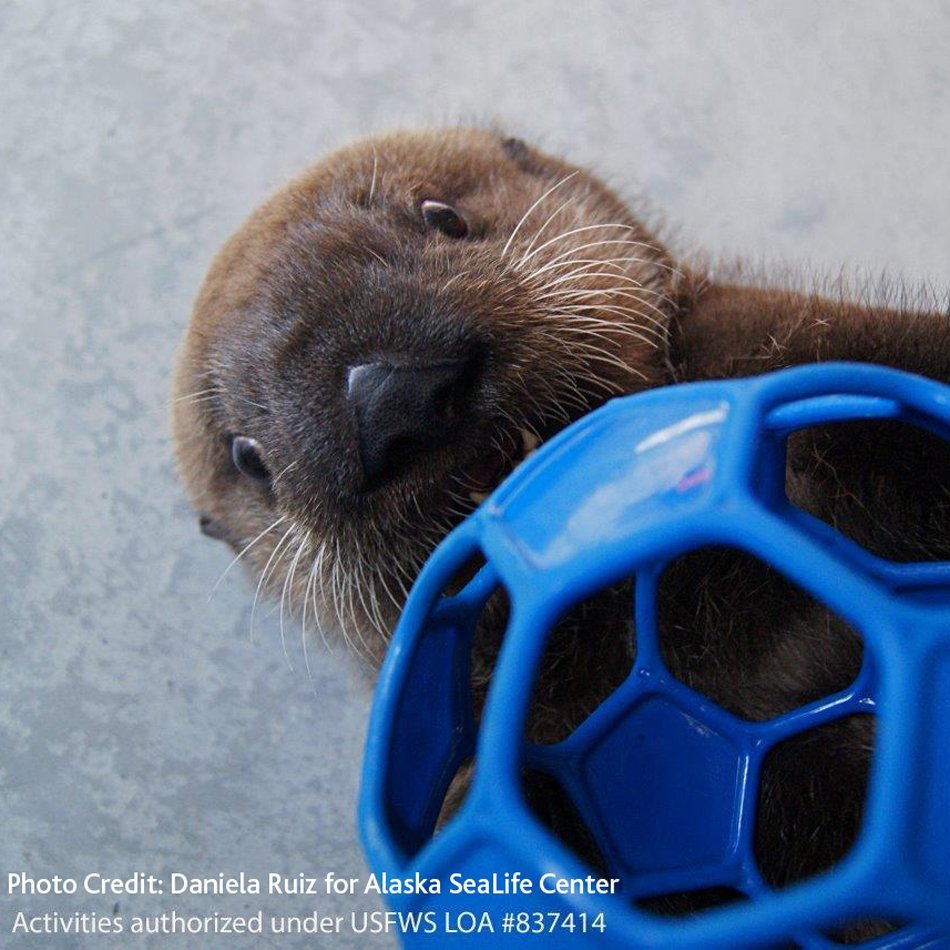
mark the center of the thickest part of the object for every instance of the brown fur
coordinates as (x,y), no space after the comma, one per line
(339,268)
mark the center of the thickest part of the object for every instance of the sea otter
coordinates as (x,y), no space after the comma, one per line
(387,337)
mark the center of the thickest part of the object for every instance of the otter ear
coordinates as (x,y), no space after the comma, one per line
(529,160)
(211,528)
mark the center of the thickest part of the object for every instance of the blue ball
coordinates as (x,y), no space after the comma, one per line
(664,779)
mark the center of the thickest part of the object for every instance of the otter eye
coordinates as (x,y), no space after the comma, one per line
(443,218)
(248,458)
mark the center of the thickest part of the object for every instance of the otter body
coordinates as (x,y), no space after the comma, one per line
(384,340)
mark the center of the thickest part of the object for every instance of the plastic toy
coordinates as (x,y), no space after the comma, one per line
(619,494)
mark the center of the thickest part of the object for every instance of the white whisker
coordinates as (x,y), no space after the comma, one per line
(566,234)
(264,575)
(524,217)
(372,182)
(557,211)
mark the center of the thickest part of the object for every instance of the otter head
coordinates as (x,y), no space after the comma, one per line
(385,339)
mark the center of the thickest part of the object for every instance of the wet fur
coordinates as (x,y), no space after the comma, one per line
(338,265)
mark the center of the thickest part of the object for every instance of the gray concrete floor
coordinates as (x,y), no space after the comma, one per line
(140,726)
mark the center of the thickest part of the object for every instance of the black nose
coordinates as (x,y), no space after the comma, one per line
(402,412)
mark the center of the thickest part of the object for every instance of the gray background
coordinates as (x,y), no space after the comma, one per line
(140,726)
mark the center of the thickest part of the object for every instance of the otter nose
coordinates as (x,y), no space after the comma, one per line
(404,411)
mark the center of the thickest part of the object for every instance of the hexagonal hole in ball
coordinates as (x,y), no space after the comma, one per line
(889,495)
(553,807)
(588,653)
(811,794)
(487,635)
(866,932)
(429,765)
(738,631)
(486,619)
(688,903)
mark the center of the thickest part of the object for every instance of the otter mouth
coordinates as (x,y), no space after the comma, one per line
(505,453)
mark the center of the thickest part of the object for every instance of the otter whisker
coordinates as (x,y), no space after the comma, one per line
(582,328)
(201,395)
(452,279)
(573,345)
(357,582)
(288,585)
(652,262)
(576,314)
(524,217)
(565,258)
(372,181)
(381,627)
(192,399)
(558,210)
(347,586)
(568,278)
(336,594)
(645,335)
(595,292)
(250,402)
(360,582)
(186,396)
(264,575)
(409,568)
(619,265)
(586,272)
(557,399)
(394,600)
(605,356)
(578,230)
(603,242)
(287,468)
(303,616)
(584,263)
(598,299)
(659,317)
(461,512)
(244,551)
(660,321)
(316,572)
(593,303)
(562,375)
(382,260)
(379,621)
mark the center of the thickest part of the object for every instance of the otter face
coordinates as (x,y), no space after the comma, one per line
(386,339)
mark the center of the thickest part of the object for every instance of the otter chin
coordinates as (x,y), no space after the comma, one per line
(384,340)
(388,337)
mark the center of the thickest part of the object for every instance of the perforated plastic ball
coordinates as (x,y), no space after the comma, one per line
(664,779)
